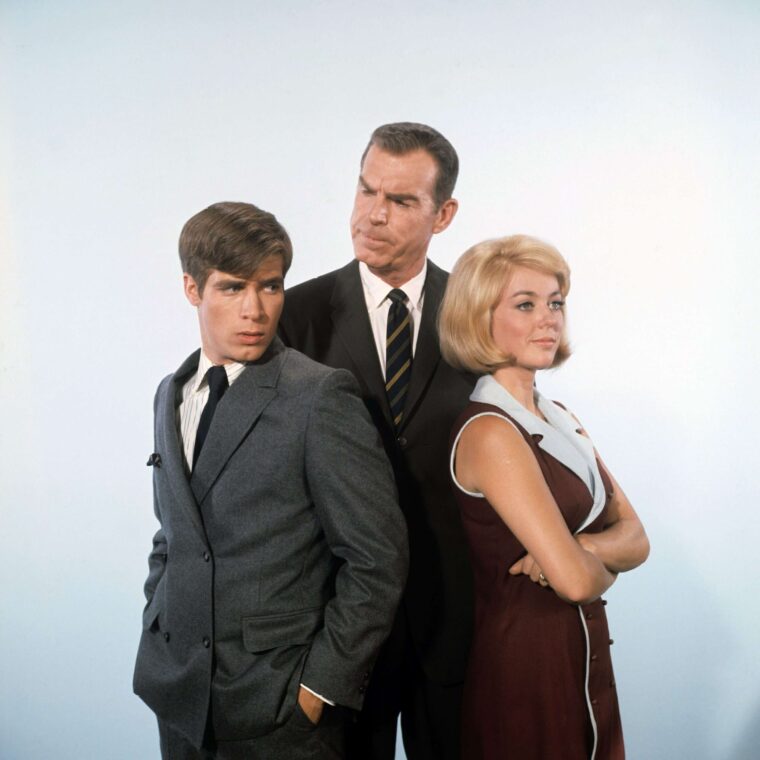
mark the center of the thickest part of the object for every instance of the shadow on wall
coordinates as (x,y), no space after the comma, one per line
(748,747)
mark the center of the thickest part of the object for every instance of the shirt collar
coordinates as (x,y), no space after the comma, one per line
(376,290)
(233,370)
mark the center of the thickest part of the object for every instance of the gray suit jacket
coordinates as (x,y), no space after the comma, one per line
(283,555)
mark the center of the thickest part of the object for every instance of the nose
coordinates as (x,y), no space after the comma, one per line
(251,306)
(378,213)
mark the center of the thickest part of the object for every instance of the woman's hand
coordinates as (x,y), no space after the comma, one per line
(528,566)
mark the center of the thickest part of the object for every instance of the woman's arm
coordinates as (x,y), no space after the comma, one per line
(623,544)
(493,458)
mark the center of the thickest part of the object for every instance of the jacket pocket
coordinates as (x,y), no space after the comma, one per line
(263,632)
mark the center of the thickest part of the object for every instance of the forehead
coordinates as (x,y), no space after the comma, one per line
(533,280)
(270,267)
(415,171)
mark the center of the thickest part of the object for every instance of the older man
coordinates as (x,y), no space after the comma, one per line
(377,317)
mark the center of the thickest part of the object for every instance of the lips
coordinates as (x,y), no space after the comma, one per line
(250,338)
(372,240)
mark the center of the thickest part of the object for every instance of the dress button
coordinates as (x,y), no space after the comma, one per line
(595,702)
(593,657)
(206,556)
(612,683)
(612,641)
(589,616)
(604,602)
(206,642)
(167,636)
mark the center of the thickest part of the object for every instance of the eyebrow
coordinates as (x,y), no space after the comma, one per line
(391,196)
(534,294)
(229,280)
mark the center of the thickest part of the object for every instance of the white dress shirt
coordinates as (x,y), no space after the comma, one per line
(378,305)
(194,397)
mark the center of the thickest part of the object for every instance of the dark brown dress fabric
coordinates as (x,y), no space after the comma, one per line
(525,689)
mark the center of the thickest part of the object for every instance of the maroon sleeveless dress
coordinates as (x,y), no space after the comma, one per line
(539,684)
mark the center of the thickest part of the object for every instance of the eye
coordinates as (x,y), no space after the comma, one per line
(556,305)
(273,287)
(525,306)
(401,203)
(233,287)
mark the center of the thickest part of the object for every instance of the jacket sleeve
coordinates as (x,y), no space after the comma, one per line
(354,494)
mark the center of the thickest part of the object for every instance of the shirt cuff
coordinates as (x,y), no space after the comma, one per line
(319,696)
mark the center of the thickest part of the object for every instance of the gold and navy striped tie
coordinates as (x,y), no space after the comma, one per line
(398,354)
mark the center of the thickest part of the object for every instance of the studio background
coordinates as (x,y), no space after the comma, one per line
(624,133)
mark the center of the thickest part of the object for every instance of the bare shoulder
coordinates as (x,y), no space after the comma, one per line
(491,433)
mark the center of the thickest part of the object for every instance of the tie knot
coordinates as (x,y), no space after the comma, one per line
(397,295)
(216,377)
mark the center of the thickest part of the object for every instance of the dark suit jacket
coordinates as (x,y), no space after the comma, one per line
(327,319)
(284,554)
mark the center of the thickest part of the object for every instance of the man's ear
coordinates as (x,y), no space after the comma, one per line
(192,292)
(445,214)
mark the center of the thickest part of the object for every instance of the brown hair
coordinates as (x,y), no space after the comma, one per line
(234,238)
(406,136)
(474,289)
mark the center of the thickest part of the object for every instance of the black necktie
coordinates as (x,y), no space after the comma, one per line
(217,384)
(398,354)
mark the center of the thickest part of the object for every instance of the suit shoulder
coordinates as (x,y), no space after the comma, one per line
(314,290)
(300,369)
(437,272)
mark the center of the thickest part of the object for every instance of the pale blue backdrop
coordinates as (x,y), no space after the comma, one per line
(625,133)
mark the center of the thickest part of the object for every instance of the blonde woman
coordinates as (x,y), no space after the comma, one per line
(548,526)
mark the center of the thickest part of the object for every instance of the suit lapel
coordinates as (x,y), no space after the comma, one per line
(351,322)
(235,415)
(169,444)
(427,354)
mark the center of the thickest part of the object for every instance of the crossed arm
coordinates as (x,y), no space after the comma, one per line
(622,545)
(493,458)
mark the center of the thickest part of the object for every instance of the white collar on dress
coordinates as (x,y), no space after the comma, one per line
(559,436)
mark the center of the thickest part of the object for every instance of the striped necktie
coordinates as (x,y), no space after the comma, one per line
(398,354)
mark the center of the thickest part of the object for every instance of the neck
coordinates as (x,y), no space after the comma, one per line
(520,382)
(397,279)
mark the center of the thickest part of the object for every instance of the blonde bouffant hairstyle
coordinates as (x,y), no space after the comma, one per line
(474,289)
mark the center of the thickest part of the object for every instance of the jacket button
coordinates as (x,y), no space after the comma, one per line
(167,636)
(206,556)
(206,642)
(362,689)
(402,441)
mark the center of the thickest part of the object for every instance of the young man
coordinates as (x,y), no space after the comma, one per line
(281,555)
(377,317)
